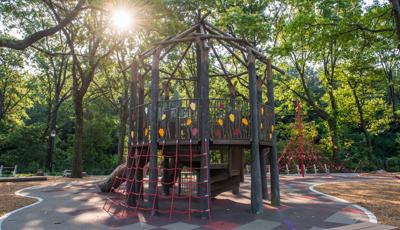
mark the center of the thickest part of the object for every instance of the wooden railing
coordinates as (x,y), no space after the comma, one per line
(179,120)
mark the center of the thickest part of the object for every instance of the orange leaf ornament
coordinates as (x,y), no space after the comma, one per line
(161,132)
(245,122)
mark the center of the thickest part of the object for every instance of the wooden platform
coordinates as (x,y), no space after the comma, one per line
(22,179)
(366,226)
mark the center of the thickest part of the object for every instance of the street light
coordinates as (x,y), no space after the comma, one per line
(51,150)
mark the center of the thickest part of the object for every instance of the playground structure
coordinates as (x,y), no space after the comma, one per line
(8,170)
(182,152)
(299,156)
(313,162)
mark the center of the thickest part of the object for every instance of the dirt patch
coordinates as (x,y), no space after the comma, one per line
(381,174)
(9,201)
(382,197)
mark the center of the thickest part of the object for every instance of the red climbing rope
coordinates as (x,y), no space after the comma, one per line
(170,175)
(300,137)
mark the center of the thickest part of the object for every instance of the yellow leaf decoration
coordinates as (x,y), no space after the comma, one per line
(245,122)
(189,121)
(163,116)
(192,106)
(161,132)
(262,111)
(232,117)
(220,122)
(273,128)
(146,132)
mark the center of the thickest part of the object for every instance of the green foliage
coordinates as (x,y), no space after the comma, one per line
(22,146)
(340,58)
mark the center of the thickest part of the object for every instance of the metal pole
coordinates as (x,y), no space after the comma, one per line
(275,191)
(256,187)
(15,171)
(287,170)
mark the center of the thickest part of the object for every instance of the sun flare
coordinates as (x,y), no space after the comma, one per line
(121,19)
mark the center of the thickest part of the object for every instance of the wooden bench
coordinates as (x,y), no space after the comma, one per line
(366,226)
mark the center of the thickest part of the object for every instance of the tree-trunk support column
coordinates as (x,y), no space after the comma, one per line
(130,186)
(204,126)
(256,188)
(155,80)
(275,193)
(263,161)
(140,161)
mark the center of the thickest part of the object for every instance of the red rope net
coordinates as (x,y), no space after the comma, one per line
(179,187)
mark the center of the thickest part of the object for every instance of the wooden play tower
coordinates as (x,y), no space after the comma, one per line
(183,151)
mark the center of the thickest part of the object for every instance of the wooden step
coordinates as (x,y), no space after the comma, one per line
(224,185)
(220,176)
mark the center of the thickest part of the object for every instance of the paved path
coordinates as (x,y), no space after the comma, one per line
(79,206)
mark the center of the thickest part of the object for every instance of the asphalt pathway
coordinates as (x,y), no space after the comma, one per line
(80,206)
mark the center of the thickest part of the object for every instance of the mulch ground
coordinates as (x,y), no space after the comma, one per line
(9,201)
(382,197)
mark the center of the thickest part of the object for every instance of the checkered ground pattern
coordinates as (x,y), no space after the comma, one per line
(79,206)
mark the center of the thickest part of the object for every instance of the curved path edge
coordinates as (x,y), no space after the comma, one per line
(18,193)
(371,217)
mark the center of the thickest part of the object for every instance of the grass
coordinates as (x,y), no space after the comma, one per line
(382,197)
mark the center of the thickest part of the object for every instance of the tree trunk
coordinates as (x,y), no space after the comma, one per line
(332,125)
(1,105)
(123,118)
(77,158)
(362,124)
(392,97)
(396,16)
(107,184)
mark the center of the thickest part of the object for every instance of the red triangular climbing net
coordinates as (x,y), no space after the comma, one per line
(180,188)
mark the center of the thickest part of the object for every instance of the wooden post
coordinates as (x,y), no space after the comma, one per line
(256,188)
(131,200)
(140,161)
(275,193)
(263,151)
(155,90)
(204,125)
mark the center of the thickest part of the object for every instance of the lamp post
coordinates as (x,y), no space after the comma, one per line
(51,150)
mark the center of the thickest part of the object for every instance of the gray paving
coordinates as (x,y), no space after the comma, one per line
(80,206)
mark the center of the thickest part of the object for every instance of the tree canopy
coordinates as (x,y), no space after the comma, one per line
(64,75)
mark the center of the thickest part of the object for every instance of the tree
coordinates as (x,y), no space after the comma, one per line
(84,67)
(20,44)
(53,62)
(15,87)
(396,16)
